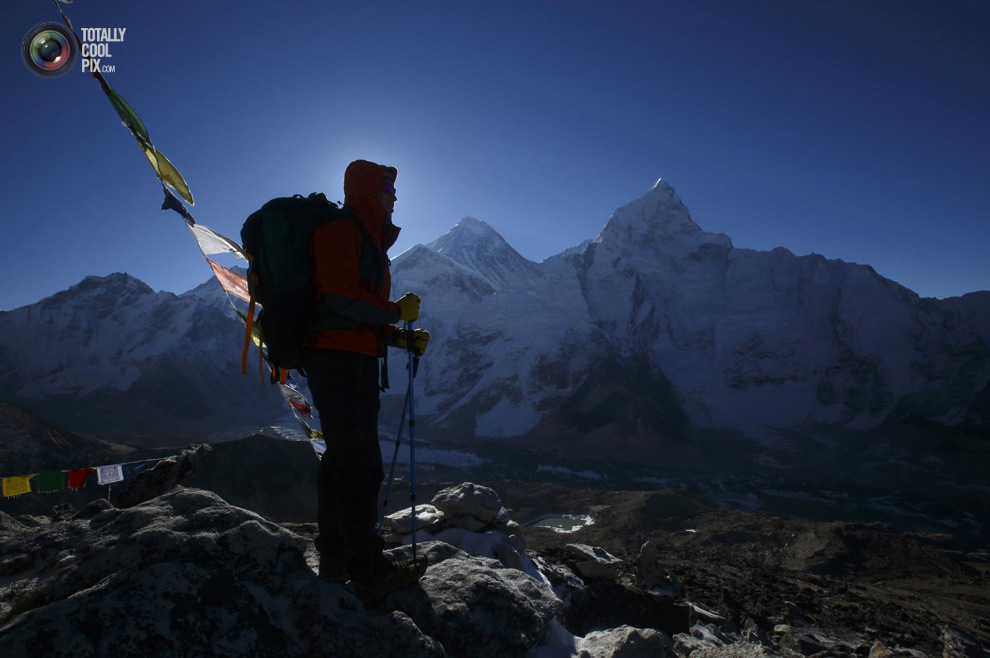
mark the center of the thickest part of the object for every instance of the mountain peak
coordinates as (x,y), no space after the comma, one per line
(661,205)
(659,217)
(475,245)
(467,231)
(473,224)
(662,187)
(116,285)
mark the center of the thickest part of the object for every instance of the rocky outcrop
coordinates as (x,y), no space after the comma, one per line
(186,573)
(182,574)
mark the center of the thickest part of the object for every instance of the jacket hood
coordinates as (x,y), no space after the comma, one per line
(362,182)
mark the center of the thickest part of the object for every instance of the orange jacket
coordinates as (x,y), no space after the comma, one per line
(351,272)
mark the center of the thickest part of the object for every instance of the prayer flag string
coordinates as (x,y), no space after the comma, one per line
(52,481)
(210,242)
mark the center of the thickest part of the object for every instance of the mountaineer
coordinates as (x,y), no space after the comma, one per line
(351,275)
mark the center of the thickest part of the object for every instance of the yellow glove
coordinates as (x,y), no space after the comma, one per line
(408,307)
(420,338)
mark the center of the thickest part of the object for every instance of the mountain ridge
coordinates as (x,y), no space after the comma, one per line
(654,329)
(750,340)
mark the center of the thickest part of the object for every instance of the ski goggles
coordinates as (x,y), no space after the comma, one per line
(387,186)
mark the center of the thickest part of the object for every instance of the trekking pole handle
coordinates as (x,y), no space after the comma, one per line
(410,336)
(411,346)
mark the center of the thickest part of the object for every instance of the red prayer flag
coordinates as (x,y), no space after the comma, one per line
(78,477)
(304,409)
(231,281)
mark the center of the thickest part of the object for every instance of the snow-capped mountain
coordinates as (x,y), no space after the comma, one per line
(477,247)
(111,355)
(653,329)
(657,326)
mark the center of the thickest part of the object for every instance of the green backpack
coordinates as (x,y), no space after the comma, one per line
(280,275)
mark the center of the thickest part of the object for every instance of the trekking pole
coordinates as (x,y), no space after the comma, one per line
(413,364)
(391,472)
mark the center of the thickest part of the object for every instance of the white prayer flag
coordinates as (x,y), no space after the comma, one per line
(290,393)
(212,242)
(109,474)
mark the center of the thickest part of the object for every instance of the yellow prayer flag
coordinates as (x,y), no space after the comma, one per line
(172,176)
(17,485)
(167,173)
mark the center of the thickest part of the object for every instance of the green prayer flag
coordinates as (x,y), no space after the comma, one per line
(166,170)
(314,435)
(130,119)
(255,332)
(49,482)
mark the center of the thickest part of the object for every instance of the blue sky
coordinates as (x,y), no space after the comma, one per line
(857,129)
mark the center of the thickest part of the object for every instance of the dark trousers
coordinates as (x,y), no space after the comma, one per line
(344,386)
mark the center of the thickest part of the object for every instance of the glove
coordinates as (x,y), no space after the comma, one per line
(408,307)
(420,338)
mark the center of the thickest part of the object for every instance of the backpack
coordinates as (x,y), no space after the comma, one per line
(276,240)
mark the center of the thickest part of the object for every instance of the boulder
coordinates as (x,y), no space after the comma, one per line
(400,523)
(473,500)
(594,562)
(469,517)
(626,642)
(475,606)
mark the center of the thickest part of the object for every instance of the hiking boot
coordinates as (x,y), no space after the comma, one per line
(398,575)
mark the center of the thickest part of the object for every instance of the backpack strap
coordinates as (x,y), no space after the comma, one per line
(249,322)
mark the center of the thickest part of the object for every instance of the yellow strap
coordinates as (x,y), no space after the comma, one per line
(261,355)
